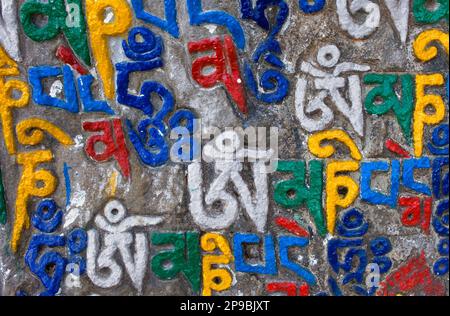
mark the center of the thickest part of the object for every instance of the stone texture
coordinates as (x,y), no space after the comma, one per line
(163,191)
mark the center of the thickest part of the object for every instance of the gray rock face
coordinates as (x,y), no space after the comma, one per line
(224,147)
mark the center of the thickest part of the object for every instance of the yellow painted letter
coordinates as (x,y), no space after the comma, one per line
(217,279)
(334,182)
(422,42)
(421,117)
(9,68)
(100,30)
(38,183)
